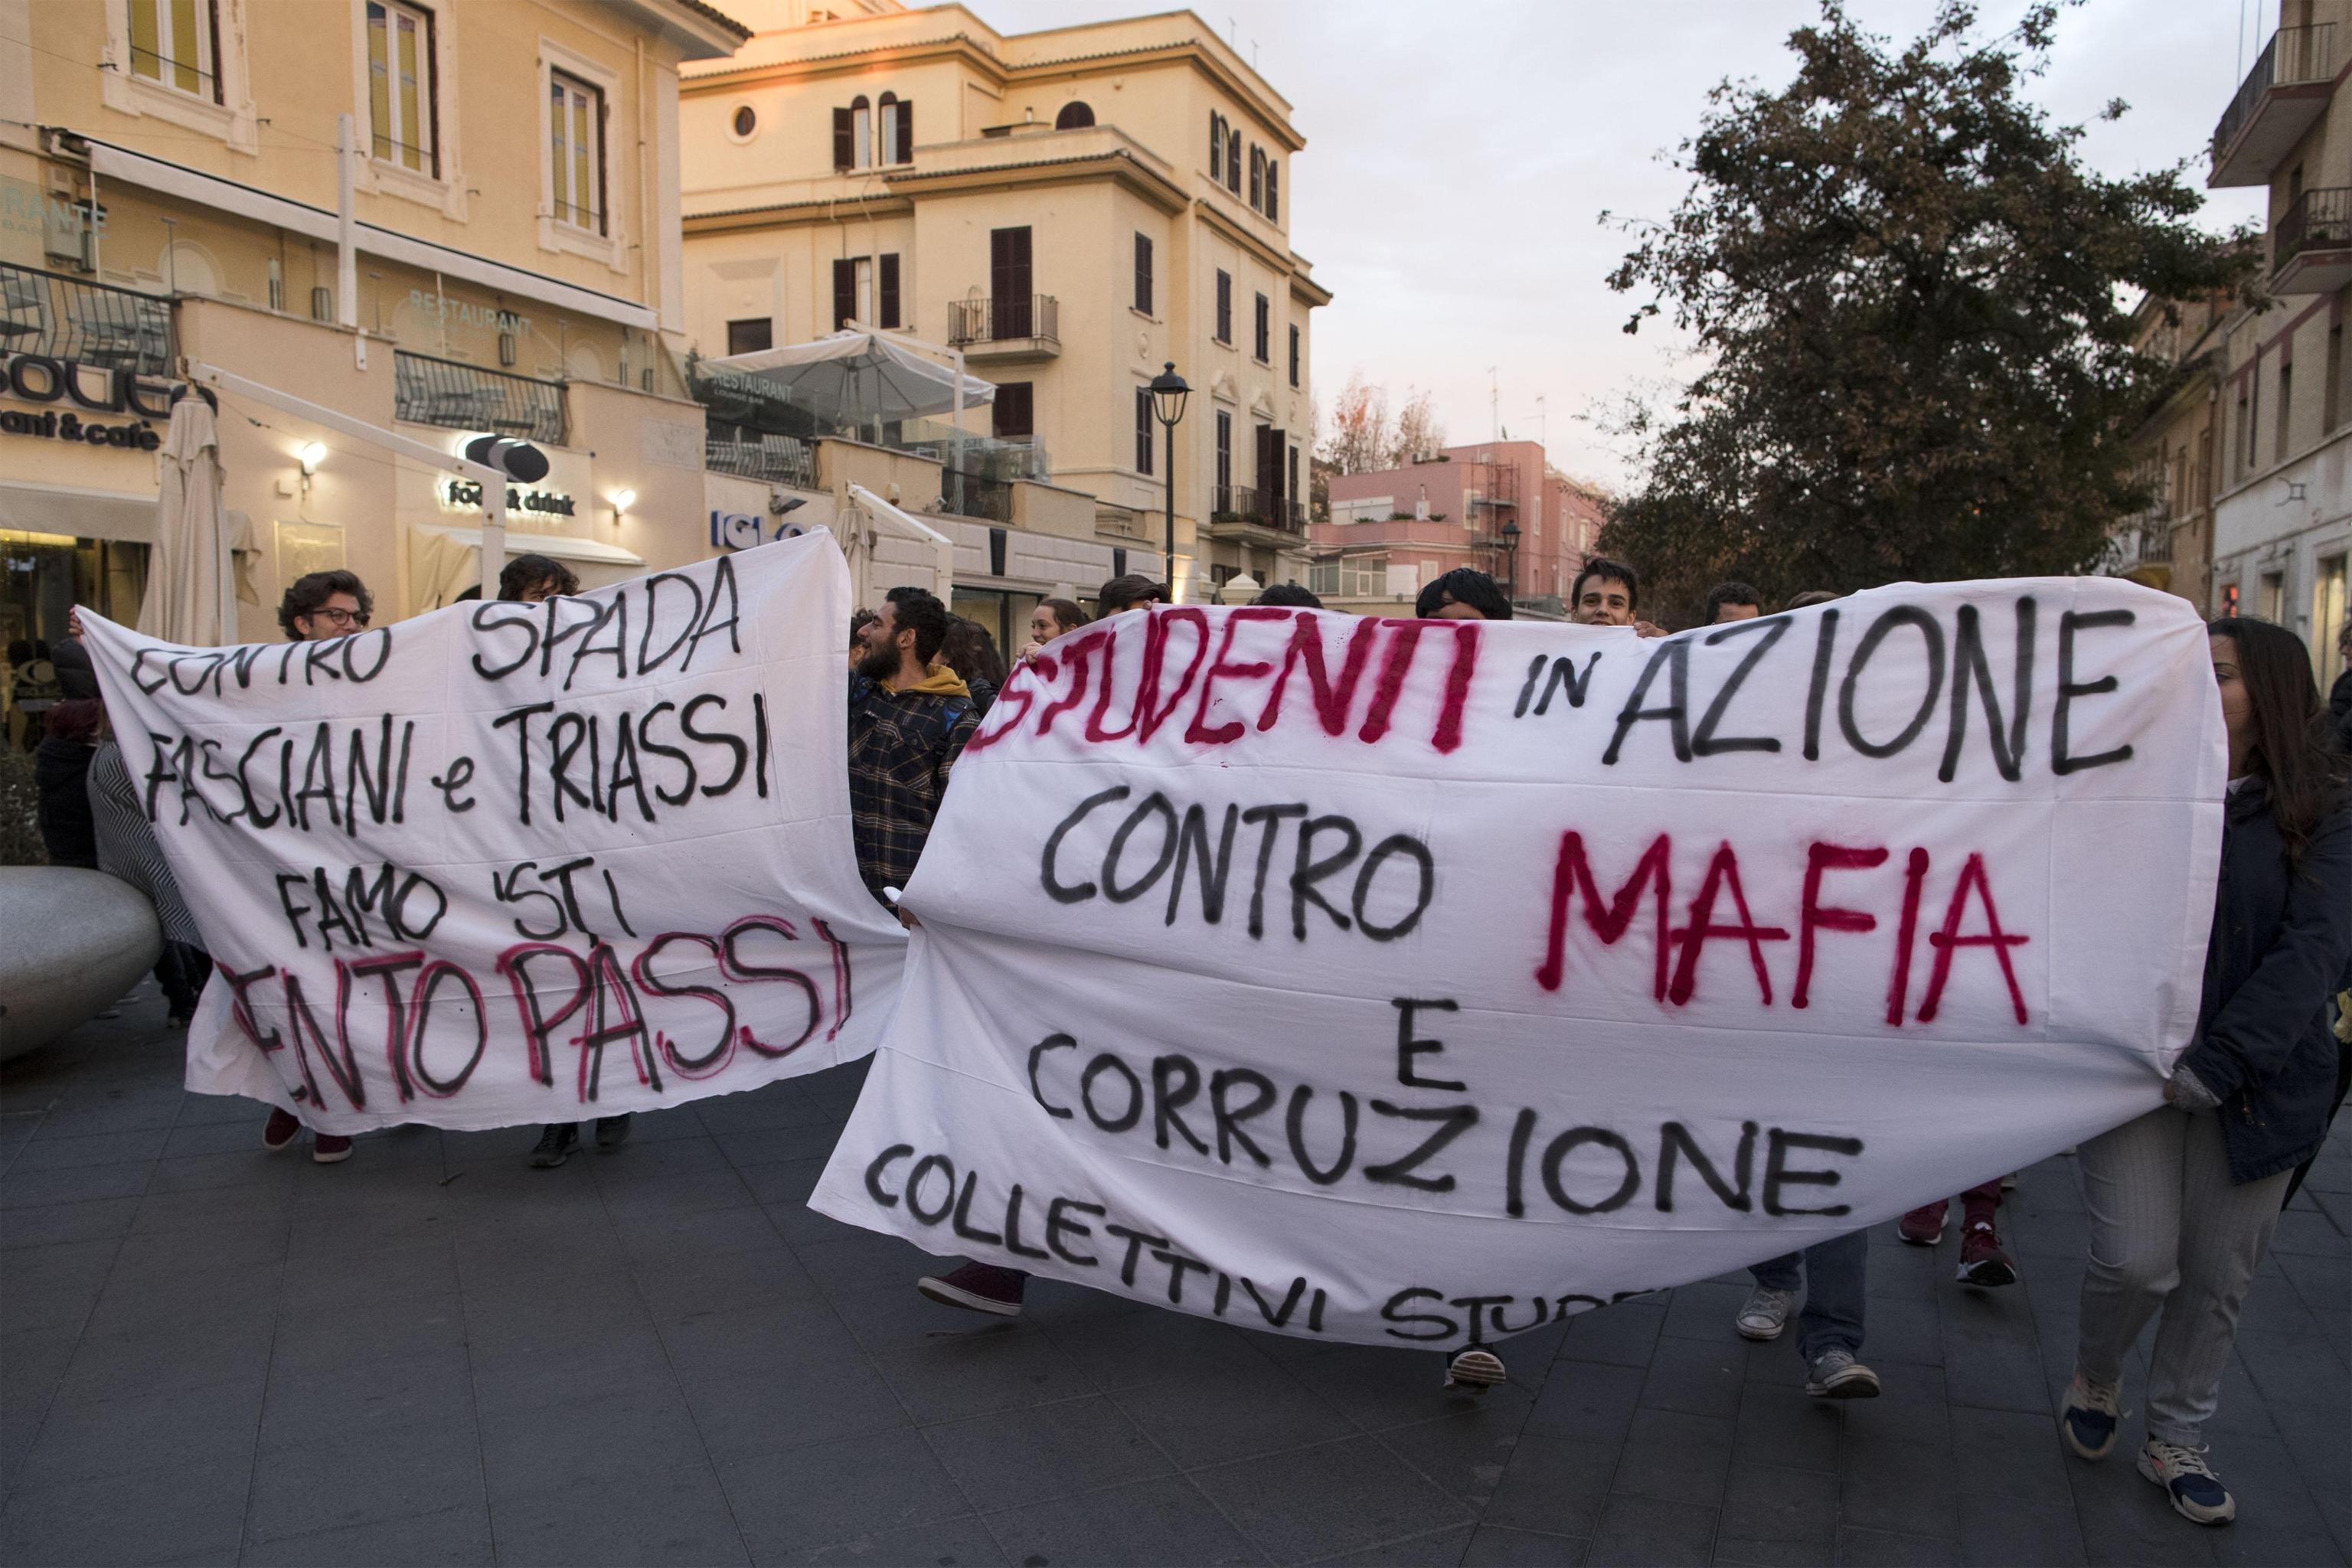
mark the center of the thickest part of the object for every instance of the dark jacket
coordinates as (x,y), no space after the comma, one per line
(901,745)
(2281,941)
(2339,709)
(60,776)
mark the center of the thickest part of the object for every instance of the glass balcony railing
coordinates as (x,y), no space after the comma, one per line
(69,319)
(458,396)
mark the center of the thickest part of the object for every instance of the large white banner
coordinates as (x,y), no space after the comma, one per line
(508,862)
(1418,983)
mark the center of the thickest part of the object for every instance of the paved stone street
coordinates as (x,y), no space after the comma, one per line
(432,1355)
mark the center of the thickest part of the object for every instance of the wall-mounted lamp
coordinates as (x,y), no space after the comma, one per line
(622,501)
(311,455)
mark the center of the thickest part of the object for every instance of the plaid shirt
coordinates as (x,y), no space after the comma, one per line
(901,745)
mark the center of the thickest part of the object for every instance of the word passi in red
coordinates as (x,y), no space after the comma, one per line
(1192,677)
(1720,912)
(430,1019)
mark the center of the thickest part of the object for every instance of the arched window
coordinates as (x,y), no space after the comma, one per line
(1258,176)
(1073,117)
(1217,145)
(861,133)
(891,151)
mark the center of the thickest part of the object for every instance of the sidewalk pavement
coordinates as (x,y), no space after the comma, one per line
(433,1355)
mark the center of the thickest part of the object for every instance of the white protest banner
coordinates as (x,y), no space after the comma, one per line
(1422,981)
(508,862)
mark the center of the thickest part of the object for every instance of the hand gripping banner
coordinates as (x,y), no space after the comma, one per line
(1423,981)
(508,862)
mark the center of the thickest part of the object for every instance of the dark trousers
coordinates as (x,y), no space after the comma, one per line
(182,973)
(1835,1275)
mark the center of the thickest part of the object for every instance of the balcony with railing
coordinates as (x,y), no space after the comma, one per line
(2311,245)
(1018,326)
(2281,99)
(68,319)
(1239,512)
(751,454)
(459,397)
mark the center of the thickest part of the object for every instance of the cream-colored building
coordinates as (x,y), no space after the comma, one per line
(2283,471)
(497,252)
(2169,543)
(1072,209)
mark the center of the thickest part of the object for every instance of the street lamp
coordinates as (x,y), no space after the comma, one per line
(1168,394)
(1511,569)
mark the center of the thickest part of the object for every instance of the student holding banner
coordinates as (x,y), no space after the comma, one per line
(2183,1201)
(315,606)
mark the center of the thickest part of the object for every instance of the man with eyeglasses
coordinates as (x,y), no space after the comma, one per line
(322,605)
(317,605)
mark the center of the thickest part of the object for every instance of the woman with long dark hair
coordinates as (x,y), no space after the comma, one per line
(2183,1201)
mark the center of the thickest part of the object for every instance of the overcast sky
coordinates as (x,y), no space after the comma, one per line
(1459,154)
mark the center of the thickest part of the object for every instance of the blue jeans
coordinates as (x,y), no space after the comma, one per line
(1836,1274)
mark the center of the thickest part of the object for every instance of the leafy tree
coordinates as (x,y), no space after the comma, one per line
(1907,291)
(1420,433)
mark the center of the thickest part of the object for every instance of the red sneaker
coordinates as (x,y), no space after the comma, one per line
(282,1128)
(332,1148)
(1924,1227)
(978,1288)
(1982,1262)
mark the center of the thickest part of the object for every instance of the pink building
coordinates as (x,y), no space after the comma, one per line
(1493,506)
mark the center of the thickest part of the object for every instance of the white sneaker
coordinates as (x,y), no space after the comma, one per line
(1765,1313)
(2197,1493)
(1475,1370)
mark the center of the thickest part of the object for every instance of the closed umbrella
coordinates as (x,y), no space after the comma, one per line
(191,582)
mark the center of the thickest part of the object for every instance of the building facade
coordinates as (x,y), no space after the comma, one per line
(448,220)
(1070,210)
(2281,470)
(1497,507)
(2169,543)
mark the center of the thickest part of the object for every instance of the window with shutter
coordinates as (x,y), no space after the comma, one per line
(887,119)
(886,302)
(845,292)
(1274,190)
(1016,409)
(861,133)
(1294,356)
(1225,500)
(1258,176)
(1234,162)
(1262,347)
(1269,471)
(1144,421)
(845,134)
(1217,145)
(1290,479)
(1224,307)
(905,131)
(1143,274)
(1008,283)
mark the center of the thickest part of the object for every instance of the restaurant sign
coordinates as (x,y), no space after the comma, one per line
(85,389)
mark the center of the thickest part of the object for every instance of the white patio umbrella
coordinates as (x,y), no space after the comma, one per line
(856,378)
(191,577)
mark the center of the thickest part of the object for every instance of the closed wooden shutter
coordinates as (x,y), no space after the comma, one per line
(1273,190)
(887,290)
(1009,281)
(906,112)
(1015,409)
(1144,420)
(845,292)
(1143,274)
(1224,307)
(1269,470)
(844,140)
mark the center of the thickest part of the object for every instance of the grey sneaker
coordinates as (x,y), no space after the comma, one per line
(1765,1313)
(1836,1375)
